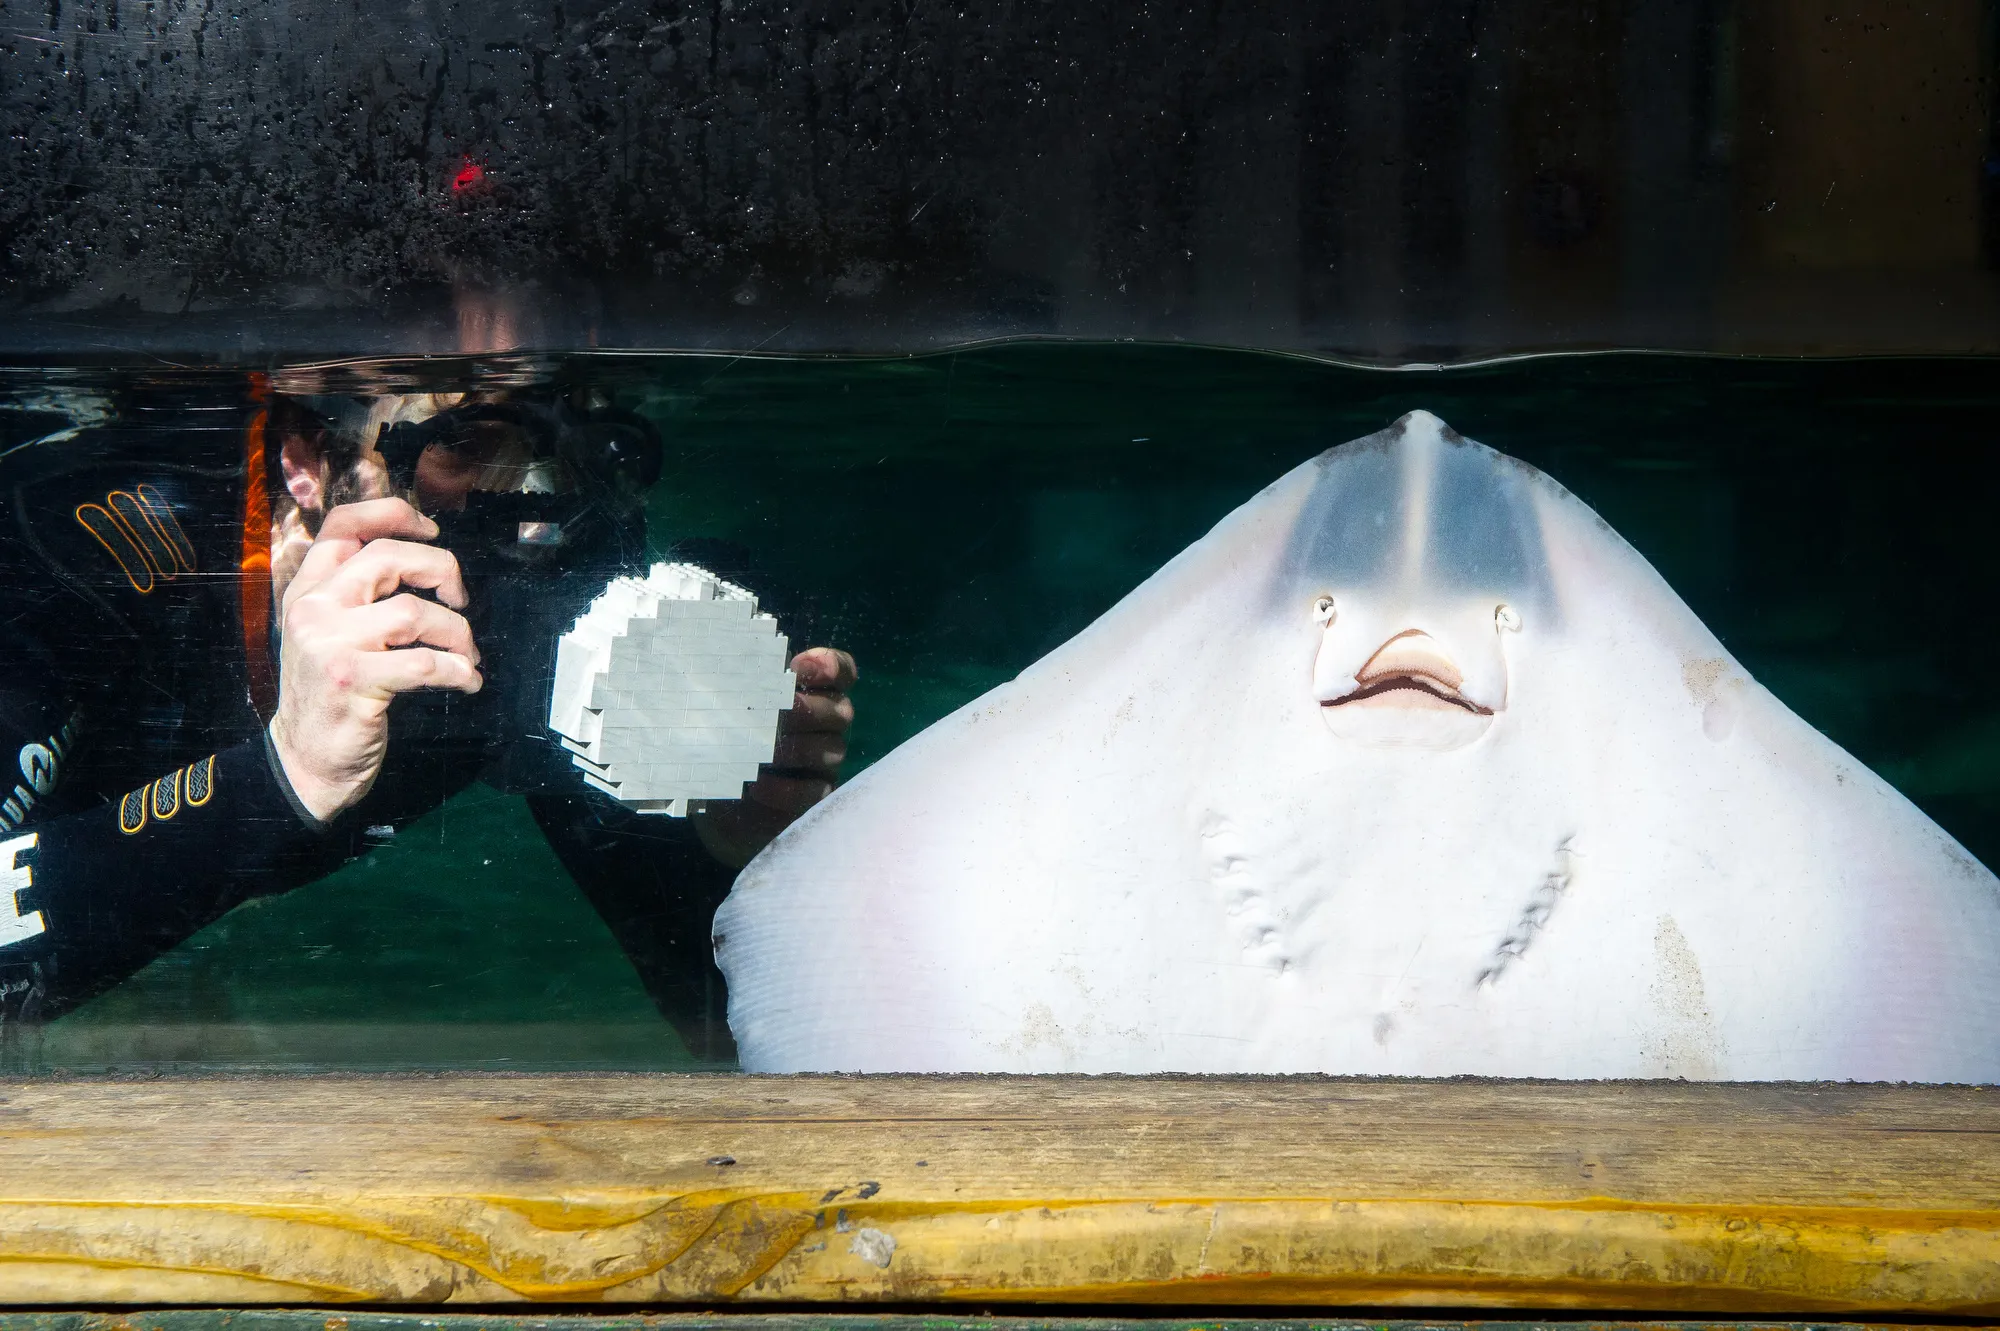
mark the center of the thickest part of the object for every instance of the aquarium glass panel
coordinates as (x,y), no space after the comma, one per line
(255,817)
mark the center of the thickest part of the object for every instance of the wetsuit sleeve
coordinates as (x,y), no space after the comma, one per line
(88,897)
(657,887)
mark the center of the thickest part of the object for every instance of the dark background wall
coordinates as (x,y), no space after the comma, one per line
(1395,179)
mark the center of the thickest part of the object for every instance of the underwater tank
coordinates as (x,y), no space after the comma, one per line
(938,333)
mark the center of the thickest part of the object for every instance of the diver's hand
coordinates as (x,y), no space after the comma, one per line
(352,641)
(812,743)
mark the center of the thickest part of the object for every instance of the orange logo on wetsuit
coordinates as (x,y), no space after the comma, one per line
(139,530)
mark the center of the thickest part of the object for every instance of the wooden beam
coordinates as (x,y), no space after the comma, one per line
(543,1319)
(1655,1196)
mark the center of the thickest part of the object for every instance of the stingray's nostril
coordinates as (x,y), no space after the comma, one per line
(1323,610)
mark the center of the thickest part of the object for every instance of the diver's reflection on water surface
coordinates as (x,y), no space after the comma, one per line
(248,635)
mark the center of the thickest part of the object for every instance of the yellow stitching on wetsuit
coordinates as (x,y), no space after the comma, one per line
(125,506)
(201,782)
(132,810)
(166,797)
(162,515)
(105,518)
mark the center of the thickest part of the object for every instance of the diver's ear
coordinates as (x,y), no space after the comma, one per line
(304,470)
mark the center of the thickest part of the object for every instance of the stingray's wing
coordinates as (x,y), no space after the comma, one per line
(1837,930)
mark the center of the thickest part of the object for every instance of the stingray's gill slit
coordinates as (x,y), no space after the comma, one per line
(1250,912)
(1534,917)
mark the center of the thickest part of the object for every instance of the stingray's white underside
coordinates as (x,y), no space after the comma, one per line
(1158,850)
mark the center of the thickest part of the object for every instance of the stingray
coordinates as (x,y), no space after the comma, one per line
(1410,766)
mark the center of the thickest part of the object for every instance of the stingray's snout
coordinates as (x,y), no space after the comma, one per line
(1411,670)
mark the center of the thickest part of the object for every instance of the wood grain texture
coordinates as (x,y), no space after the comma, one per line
(1663,1196)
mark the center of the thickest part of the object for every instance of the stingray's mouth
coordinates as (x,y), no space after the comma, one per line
(1410,671)
(1407,691)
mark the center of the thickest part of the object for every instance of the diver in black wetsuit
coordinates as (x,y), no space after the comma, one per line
(200,642)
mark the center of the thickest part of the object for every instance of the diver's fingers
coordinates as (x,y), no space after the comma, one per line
(817,713)
(408,621)
(811,752)
(787,794)
(384,565)
(351,526)
(405,668)
(371,519)
(825,670)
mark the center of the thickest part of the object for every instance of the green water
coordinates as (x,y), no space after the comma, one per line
(951,518)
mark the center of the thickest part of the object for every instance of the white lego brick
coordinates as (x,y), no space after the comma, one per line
(668,689)
(671,808)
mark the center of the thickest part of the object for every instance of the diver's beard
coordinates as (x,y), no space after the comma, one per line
(363,479)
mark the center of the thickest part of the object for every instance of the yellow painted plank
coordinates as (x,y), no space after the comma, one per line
(1666,1196)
